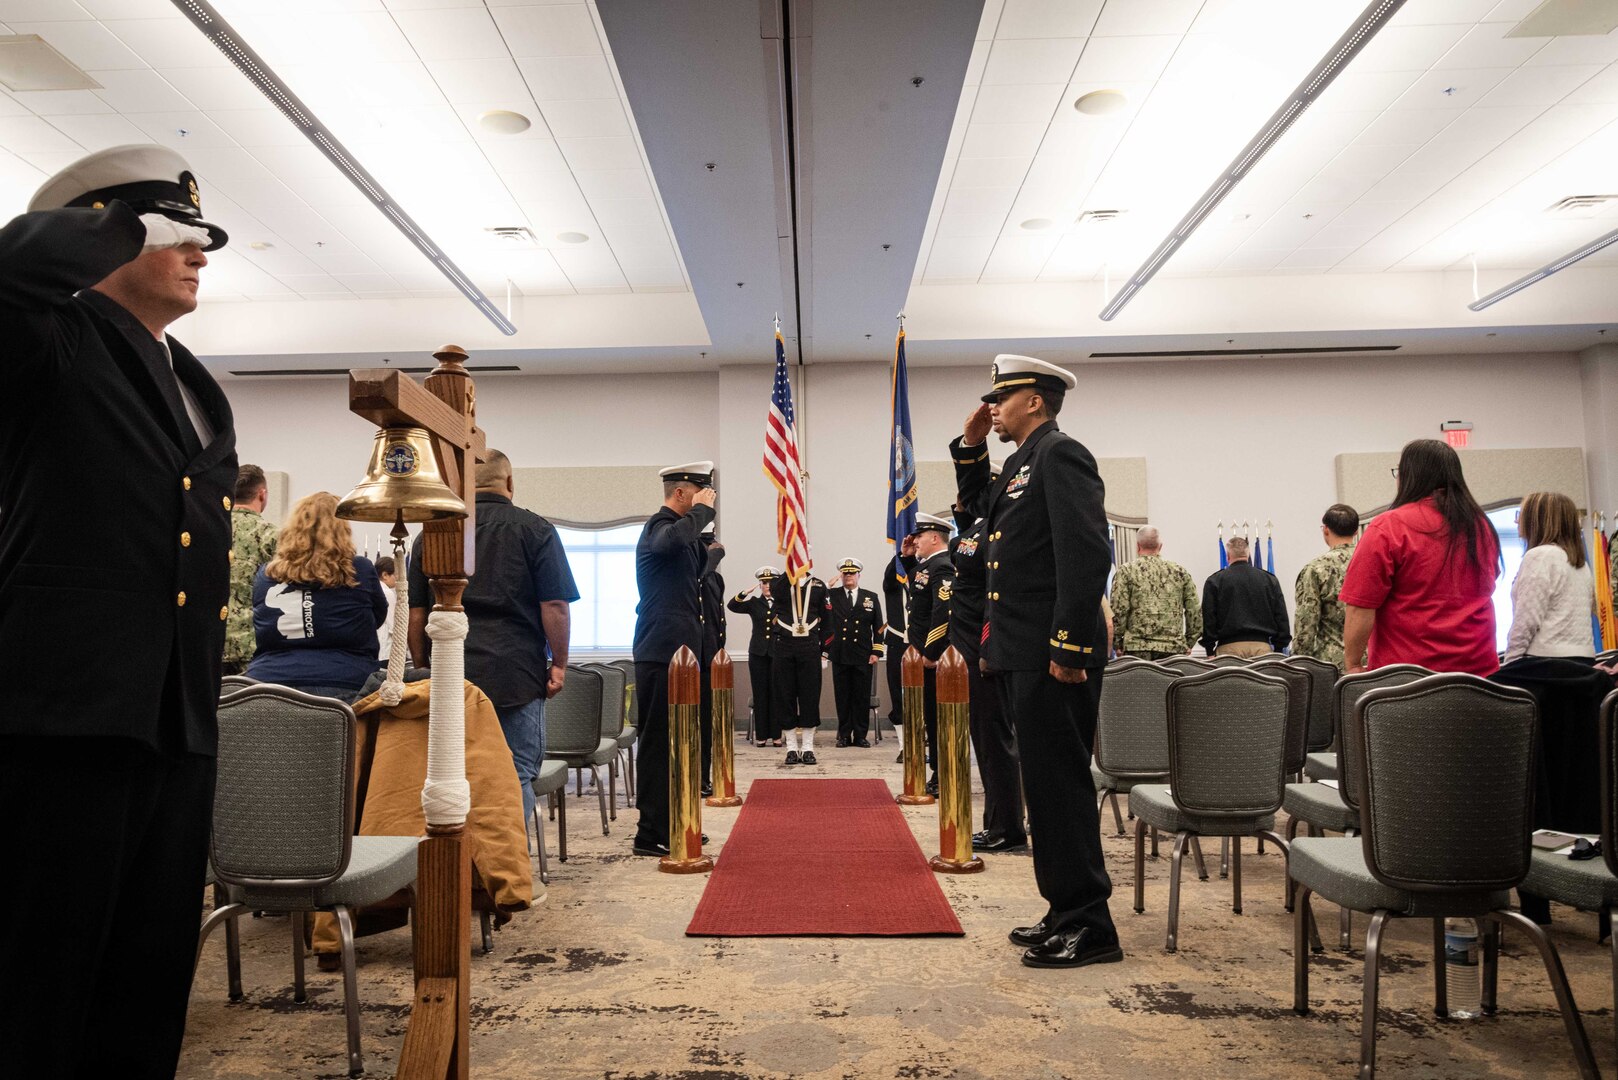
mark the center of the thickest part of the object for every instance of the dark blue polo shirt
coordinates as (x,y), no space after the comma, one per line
(313,636)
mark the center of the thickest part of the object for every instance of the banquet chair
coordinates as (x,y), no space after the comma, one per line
(1446,767)
(573,731)
(1132,731)
(1186,665)
(551,784)
(283,826)
(612,725)
(1324,678)
(630,734)
(1227,661)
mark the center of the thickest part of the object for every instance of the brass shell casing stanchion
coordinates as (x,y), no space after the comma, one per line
(915,730)
(685,769)
(954,762)
(722,676)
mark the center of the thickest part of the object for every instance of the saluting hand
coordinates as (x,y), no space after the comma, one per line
(977,426)
(1067,674)
(705,497)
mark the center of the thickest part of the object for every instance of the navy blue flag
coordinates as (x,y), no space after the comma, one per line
(1258,553)
(1224,561)
(901,512)
(1269,553)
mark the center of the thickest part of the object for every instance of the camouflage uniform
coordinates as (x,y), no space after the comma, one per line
(252,545)
(1319,622)
(1154,607)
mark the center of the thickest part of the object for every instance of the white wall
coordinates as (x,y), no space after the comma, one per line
(1222,439)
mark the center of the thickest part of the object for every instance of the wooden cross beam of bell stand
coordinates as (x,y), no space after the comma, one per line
(913,695)
(722,676)
(953,758)
(685,768)
(437,1041)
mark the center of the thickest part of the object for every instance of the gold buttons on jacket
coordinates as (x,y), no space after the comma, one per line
(226,501)
(185,482)
(185,539)
(224,613)
(994,596)
(179,601)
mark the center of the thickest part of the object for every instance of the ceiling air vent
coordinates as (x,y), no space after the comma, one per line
(512,236)
(1098,217)
(1582,206)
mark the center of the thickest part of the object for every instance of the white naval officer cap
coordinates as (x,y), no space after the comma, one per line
(767,573)
(693,472)
(933,521)
(1013,372)
(150,179)
(850,566)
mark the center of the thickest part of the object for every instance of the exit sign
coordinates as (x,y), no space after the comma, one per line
(1458,433)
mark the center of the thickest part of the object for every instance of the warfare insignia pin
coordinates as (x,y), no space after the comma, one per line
(1014,488)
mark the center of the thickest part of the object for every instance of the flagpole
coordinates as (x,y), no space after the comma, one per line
(801,407)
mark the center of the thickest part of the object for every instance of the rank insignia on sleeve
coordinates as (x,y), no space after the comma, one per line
(944,590)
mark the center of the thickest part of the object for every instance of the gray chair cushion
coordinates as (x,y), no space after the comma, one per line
(626,737)
(1586,884)
(1122,783)
(1334,867)
(378,867)
(605,751)
(552,776)
(1319,805)
(1153,804)
(1321,766)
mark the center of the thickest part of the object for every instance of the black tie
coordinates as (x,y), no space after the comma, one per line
(168,384)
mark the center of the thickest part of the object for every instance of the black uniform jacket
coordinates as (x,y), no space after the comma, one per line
(856,628)
(966,599)
(713,608)
(761,609)
(668,565)
(111,624)
(1045,546)
(808,598)
(894,580)
(932,592)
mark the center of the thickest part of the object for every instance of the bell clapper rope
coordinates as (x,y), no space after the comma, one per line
(392,691)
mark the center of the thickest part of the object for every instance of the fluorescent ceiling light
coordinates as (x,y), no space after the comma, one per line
(1546,271)
(1371,20)
(250,64)
(27,62)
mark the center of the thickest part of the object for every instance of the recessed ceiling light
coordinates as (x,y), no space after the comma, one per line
(1035,224)
(27,62)
(504,122)
(262,245)
(572,237)
(1101,102)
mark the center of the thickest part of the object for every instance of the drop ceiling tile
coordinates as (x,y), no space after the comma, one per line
(216,88)
(1315,257)
(514,156)
(1578,49)
(1372,162)
(544,187)
(261,127)
(976,63)
(41,10)
(1489,127)
(953,225)
(568,78)
(989,172)
(1405,126)
(1445,11)
(589,266)
(554,30)
(1400,184)
(1047,18)
(1032,60)
(654,278)
(965,200)
(336,262)
(1147,17)
(1355,90)
(1456,89)
(30,135)
(1486,46)
(452,33)
(129,9)
(478,80)
(98,131)
(989,19)
(601,153)
(141,90)
(165,128)
(1019,258)
(60,102)
(1016,103)
(1368,214)
(638,215)
(90,45)
(958,258)
(1135,59)
(1002,140)
(1399,47)
(1540,85)
(614,183)
(164,44)
(1600,89)
(1254,258)
(551,218)
(315,286)
(596,118)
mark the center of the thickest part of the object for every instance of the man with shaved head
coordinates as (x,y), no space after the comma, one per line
(1243,612)
(1154,603)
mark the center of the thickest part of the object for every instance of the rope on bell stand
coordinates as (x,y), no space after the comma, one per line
(446,798)
(392,690)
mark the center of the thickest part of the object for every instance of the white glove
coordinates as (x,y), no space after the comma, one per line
(164,232)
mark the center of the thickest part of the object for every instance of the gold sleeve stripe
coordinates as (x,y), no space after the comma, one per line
(974,460)
(936,633)
(1071,648)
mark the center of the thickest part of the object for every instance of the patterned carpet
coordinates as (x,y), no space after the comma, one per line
(601,981)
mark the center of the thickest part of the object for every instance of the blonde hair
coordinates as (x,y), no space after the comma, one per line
(315,546)
(1549,517)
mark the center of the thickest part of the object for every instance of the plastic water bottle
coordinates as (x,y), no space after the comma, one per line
(1463,979)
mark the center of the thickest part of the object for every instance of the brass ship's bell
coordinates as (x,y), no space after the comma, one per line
(402,482)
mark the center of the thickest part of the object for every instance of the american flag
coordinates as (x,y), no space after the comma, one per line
(782,467)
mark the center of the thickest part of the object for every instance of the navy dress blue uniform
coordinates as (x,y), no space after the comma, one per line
(895,579)
(796,664)
(760,609)
(669,560)
(713,639)
(932,591)
(107,770)
(856,637)
(1047,557)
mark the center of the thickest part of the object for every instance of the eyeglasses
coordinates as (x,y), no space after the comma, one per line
(1395,472)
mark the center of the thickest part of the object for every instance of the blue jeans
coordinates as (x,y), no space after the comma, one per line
(524,726)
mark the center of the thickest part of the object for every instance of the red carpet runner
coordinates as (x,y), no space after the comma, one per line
(821,857)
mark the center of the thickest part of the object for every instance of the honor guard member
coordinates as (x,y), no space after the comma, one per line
(932,586)
(802,623)
(1047,555)
(757,605)
(895,579)
(856,648)
(252,545)
(1155,613)
(108,771)
(993,741)
(669,561)
(1319,619)
(713,639)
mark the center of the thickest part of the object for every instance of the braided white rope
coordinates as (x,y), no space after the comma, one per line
(446,798)
(392,690)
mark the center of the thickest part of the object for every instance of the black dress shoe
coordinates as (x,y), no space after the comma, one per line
(932,786)
(707,790)
(841,742)
(792,757)
(997,842)
(1078,948)
(863,744)
(654,847)
(1029,936)
(900,760)
(808,758)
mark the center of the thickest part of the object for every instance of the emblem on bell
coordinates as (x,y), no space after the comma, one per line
(402,483)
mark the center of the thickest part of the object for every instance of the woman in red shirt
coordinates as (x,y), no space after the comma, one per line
(1420,586)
